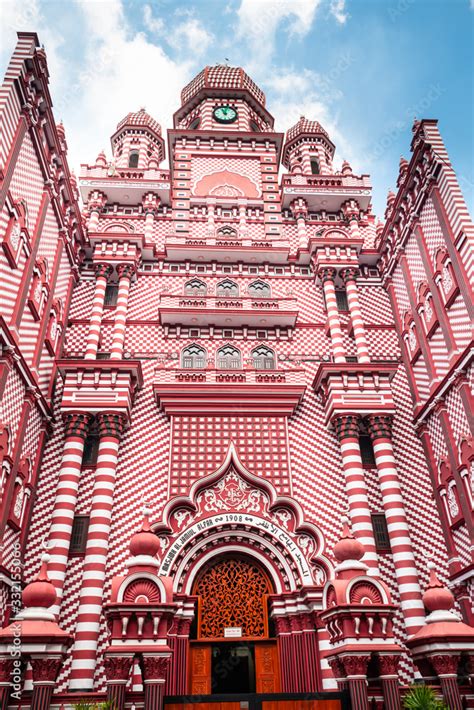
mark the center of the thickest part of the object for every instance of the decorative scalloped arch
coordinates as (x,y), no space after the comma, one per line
(225,183)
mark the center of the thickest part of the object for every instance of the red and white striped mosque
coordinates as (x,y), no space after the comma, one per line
(236,413)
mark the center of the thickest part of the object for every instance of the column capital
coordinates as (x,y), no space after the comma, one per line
(103,270)
(156,668)
(46,670)
(337,668)
(388,665)
(96,201)
(350,273)
(6,670)
(76,424)
(355,665)
(111,424)
(347,426)
(379,426)
(150,203)
(117,668)
(445,664)
(126,271)
(327,273)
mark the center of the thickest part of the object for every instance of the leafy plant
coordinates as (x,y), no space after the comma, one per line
(84,705)
(422,697)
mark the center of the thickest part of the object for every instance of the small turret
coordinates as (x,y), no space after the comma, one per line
(308,149)
(137,139)
(101,160)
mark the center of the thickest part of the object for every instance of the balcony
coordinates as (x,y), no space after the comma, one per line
(243,391)
(124,186)
(228,311)
(326,192)
(270,251)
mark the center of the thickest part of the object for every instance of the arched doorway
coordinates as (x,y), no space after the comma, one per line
(232,647)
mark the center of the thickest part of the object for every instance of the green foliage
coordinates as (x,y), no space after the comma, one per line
(422,697)
(84,705)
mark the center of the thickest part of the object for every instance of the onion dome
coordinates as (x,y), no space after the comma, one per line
(222,78)
(139,119)
(348,548)
(101,160)
(437,597)
(305,131)
(41,592)
(145,543)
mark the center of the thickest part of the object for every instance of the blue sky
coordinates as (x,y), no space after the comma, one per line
(363,68)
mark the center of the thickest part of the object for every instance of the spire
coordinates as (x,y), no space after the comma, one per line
(39,595)
(438,599)
(348,551)
(101,159)
(144,545)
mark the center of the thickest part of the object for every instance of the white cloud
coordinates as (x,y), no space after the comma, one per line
(259,20)
(154,24)
(191,36)
(338,9)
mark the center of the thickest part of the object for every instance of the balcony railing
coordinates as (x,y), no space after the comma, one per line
(250,376)
(229,303)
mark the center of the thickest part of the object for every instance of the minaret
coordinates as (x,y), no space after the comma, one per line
(308,149)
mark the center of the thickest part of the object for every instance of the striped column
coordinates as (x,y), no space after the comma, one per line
(6,678)
(446,667)
(117,673)
(45,672)
(349,277)
(155,671)
(388,665)
(86,638)
(75,431)
(355,668)
(327,276)
(299,210)
(380,429)
(347,430)
(103,272)
(150,203)
(125,273)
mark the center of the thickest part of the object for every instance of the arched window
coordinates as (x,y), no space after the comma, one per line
(194,125)
(254,127)
(133,159)
(227,232)
(263,358)
(260,289)
(227,288)
(315,166)
(228,358)
(195,287)
(193,357)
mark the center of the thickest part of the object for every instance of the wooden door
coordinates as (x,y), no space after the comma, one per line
(267,673)
(200,669)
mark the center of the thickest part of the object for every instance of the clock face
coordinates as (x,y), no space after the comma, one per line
(225,114)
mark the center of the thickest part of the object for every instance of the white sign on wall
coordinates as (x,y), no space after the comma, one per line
(233,632)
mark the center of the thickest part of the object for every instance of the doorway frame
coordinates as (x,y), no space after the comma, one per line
(255,700)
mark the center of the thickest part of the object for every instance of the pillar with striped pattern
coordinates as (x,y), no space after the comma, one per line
(299,210)
(446,667)
(355,668)
(103,272)
(111,426)
(155,670)
(388,665)
(347,430)
(76,425)
(117,673)
(150,203)
(45,672)
(349,277)
(411,603)
(327,276)
(125,274)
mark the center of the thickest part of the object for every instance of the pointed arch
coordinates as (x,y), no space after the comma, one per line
(193,357)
